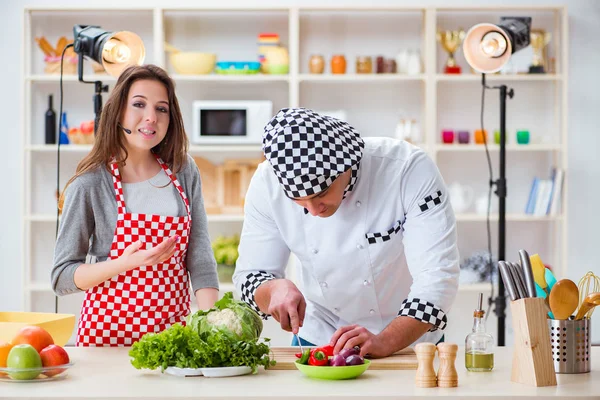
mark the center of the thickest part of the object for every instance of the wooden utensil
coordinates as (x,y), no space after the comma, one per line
(403,360)
(564,299)
(590,301)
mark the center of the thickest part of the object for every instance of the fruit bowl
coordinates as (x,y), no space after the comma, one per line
(59,326)
(34,374)
(333,373)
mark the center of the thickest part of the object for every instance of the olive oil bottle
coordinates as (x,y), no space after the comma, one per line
(479,345)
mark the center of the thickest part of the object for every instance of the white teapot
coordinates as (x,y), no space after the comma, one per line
(461,197)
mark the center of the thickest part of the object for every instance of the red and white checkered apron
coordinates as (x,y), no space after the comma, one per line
(146,299)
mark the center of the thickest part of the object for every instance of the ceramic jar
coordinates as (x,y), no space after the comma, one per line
(316,64)
(338,64)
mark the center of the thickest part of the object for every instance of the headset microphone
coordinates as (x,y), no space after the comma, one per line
(125,129)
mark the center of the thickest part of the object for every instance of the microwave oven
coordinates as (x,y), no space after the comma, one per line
(230,122)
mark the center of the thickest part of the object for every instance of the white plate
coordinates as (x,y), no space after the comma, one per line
(225,371)
(184,371)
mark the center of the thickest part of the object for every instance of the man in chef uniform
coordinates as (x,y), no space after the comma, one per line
(370,222)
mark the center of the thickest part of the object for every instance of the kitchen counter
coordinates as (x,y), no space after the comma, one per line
(105,373)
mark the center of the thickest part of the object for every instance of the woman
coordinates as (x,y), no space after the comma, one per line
(135,203)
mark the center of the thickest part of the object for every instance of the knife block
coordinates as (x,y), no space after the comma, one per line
(532,356)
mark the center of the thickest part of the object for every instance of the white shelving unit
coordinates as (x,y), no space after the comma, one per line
(374,103)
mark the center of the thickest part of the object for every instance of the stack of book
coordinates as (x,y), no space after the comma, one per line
(545,195)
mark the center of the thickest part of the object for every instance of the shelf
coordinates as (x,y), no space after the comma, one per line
(51,148)
(231,78)
(475,287)
(371,78)
(509,217)
(211,218)
(40,287)
(69,78)
(497,77)
(194,149)
(225,218)
(45,287)
(495,147)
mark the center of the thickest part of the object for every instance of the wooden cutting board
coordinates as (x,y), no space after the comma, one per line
(404,359)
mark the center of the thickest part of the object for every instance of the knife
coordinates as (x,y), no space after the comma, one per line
(527,272)
(520,286)
(508,282)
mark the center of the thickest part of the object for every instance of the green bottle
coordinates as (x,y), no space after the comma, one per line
(479,345)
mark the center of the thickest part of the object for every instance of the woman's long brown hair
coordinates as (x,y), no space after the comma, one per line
(110,142)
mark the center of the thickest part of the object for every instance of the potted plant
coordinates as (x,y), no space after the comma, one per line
(225,249)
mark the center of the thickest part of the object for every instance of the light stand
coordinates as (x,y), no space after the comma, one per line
(99,89)
(501,191)
(487,48)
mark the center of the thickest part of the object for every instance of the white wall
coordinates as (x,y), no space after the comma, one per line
(584,124)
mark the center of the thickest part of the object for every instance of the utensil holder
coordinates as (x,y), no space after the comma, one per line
(532,356)
(571,343)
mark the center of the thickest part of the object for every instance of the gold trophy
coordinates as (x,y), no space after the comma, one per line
(451,41)
(539,41)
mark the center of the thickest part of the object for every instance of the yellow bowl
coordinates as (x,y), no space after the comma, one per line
(59,326)
(191,63)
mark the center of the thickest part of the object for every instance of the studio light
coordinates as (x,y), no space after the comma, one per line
(487,48)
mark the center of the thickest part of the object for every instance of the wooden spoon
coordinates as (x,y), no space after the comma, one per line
(590,301)
(564,299)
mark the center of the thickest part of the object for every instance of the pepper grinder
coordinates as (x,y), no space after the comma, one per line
(447,375)
(425,373)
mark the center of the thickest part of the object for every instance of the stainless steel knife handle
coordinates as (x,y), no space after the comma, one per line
(508,282)
(527,272)
(514,269)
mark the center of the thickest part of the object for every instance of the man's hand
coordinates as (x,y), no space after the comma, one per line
(285,303)
(354,335)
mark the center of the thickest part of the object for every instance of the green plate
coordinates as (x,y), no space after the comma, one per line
(333,373)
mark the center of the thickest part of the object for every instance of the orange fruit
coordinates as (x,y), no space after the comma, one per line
(4,350)
(33,335)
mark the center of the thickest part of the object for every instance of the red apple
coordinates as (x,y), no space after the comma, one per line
(51,356)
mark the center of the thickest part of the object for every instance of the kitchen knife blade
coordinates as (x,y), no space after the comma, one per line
(527,272)
(507,279)
(521,291)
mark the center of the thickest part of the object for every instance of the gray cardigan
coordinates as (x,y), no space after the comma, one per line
(88,224)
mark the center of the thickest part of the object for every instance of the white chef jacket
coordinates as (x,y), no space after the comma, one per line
(390,249)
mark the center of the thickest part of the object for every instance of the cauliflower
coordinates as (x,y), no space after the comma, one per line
(228,316)
(227,319)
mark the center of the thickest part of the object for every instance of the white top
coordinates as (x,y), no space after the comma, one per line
(106,373)
(390,247)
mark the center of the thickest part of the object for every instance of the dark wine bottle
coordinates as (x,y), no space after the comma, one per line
(50,123)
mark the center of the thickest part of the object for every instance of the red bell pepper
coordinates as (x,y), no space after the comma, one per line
(318,358)
(328,350)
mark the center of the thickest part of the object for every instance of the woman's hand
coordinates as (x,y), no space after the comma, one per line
(133,257)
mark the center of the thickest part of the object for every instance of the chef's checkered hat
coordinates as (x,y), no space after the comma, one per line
(309,151)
